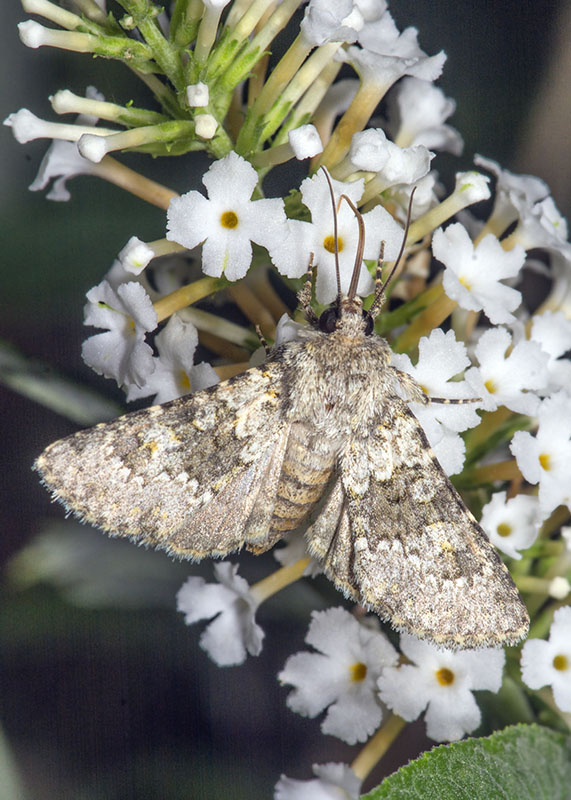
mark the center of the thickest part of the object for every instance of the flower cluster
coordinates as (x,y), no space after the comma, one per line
(509,446)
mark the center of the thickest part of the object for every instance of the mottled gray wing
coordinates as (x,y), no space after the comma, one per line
(185,476)
(396,537)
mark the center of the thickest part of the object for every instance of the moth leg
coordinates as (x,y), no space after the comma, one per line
(454,401)
(412,389)
(304,294)
(261,337)
(416,393)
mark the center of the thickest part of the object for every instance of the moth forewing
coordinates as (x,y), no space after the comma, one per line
(189,476)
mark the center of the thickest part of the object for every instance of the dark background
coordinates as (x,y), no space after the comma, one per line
(119,701)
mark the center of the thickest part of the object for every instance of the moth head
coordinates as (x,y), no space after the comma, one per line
(330,319)
(351,303)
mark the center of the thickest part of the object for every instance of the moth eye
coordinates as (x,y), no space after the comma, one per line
(328,320)
(369,323)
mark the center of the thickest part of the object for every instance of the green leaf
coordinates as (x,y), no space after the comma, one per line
(522,762)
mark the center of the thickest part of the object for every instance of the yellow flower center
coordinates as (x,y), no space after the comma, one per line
(545,461)
(184,380)
(445,676)
(465,282)
(358,672)
(561,663)
(491,386)
(229,219)
(329,244)
(504,529)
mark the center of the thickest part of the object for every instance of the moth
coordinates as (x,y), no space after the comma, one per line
(319,427)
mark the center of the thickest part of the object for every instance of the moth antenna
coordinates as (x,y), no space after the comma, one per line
(335,234)
(378,300)
(360,248)
(304,294)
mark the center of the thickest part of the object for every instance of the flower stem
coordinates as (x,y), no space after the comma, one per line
(501,471)
(92,11)
(426,321)
(278,580)
(207,33)
(273,88)
(491,421)
(184,22)
(187,295)
(125,177)
(310,102)
(302,80)
(377,746)
(59,15)
(66,102)
(353,120)
(165,54)
(249,304)
(259,282)
(212,323)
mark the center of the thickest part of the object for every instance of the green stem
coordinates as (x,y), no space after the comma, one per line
(164,95)
(207,33)
(144,14)
(273,88)
(184,22)
(66,102)
(305,110)
(301,82)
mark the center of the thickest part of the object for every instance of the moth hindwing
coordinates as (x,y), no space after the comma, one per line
(244,462)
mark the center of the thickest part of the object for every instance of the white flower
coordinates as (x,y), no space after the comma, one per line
(553,332)
(417,111)
(331,21)
(373,152)
(472,275)
(197,95)
(389,54)
(175,373)
(341,676)
(63,161)
(559,587)
(424,198)
(441,681)
(305,141)
(317,237)
(205,126)
(546,457)
(121,352)
(511,525)
(228,221)
(294,549)
(508,380)
(234,631)
(440,358)
(332,782)
(515,194)
(135,255)
(543,226)
(549,663)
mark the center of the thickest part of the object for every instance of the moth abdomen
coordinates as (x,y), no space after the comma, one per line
(305,476)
